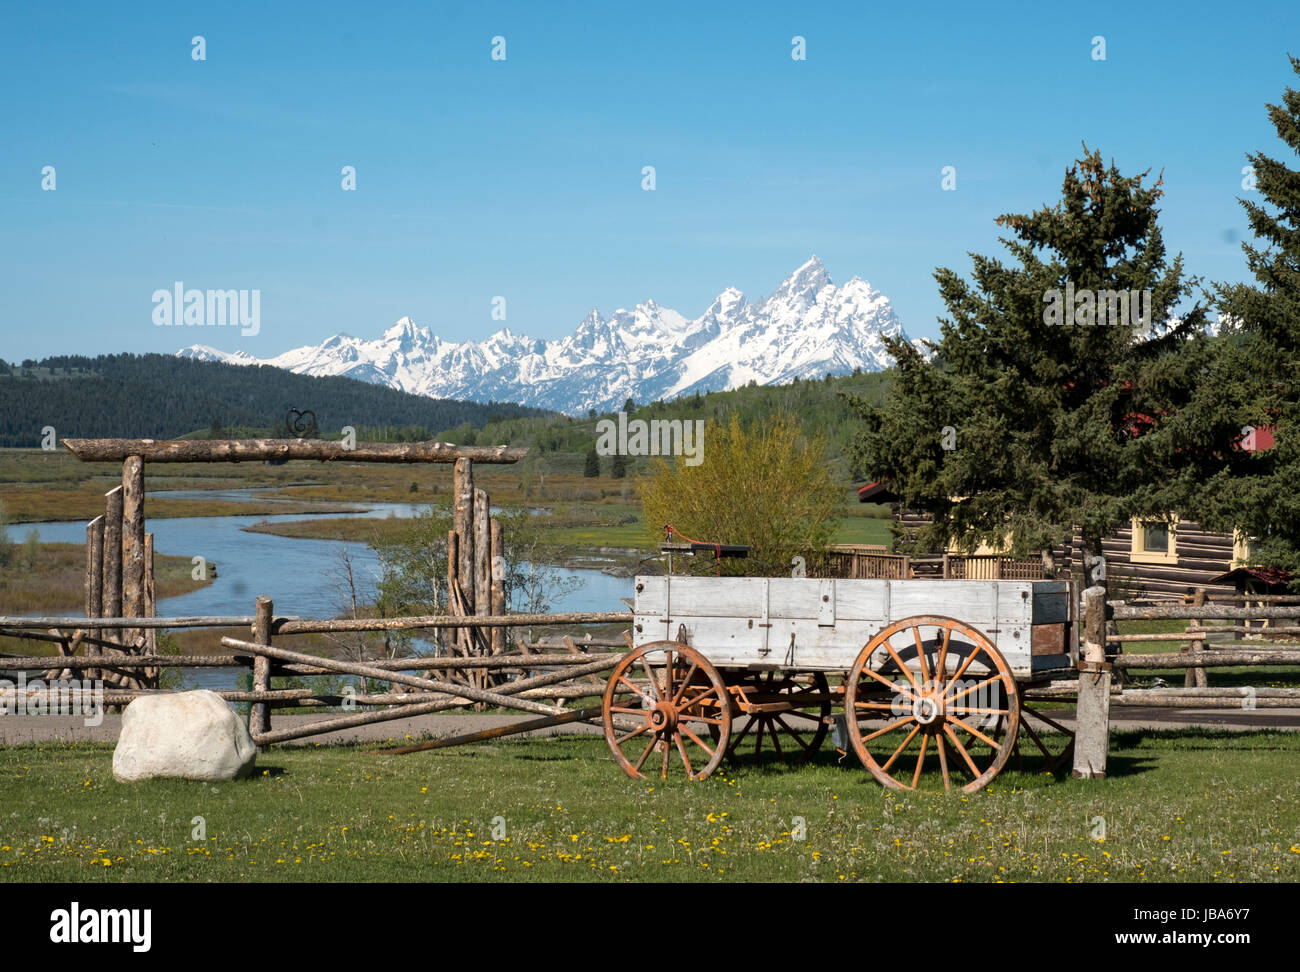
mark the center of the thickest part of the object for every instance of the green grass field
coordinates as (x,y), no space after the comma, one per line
(1178,806)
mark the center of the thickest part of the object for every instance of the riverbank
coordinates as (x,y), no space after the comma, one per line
(50,579)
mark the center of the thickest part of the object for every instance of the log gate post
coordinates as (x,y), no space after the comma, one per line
(94,585)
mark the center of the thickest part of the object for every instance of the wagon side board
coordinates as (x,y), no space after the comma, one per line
(821,625)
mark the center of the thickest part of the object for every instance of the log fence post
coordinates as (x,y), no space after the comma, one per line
(259,714)
(1092,715)
(1195,677)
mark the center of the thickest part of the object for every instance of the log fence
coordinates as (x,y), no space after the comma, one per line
(557,671)
(1222,631)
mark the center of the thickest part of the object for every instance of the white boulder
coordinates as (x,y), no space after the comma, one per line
(182,735)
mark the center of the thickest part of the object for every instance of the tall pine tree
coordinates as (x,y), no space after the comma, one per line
(1258,375)
(1042,411)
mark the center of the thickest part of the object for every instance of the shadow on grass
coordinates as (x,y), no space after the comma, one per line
(1118,767)
(1205,739)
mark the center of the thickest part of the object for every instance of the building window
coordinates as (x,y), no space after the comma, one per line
(1154,542)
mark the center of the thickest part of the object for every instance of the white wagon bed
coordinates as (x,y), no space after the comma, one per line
(807,624)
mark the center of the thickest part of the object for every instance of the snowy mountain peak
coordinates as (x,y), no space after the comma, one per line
(797,292)
(805,328)
(406,332)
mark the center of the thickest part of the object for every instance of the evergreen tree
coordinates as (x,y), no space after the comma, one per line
(618,466)
(592,467)
(1019,427)
(1257,381)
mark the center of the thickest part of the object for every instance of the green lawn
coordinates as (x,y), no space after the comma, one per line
(1180,806)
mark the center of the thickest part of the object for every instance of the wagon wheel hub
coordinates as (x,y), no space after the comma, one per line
(927,709)
(663,717)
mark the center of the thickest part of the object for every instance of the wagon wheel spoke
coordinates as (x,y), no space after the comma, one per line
(907,672)
(776,740)
(802,715)
(631,735)
(695,667)
(797,738)
(1053,759)
(696,700)
(887,729)
(686,760)
(749,724)
(972,688)
(943,765)
(920,761)
(973,731)
(633,686)
(975,770)
(649,746)
(892,686)
(698,741)
(650,677)
(939,668)
(1037,740)
(1048,719)
(920,653)
(901,747)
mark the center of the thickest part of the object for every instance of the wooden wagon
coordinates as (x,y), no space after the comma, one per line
(929,677)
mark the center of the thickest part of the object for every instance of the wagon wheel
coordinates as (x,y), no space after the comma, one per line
(931,687)
(803,727)
(663,698)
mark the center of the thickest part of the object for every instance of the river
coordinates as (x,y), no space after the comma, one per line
(301,576)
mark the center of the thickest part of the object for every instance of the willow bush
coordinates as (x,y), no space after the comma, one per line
(767,485)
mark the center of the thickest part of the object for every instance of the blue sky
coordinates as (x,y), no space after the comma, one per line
(522,178)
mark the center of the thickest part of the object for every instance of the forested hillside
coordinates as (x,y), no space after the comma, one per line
(560,442)
(161,396)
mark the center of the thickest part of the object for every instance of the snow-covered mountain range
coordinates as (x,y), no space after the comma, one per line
(804,329)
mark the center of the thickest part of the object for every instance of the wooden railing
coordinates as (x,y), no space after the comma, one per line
(1229,639)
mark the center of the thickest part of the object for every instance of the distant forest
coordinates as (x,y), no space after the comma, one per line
(164,397)
(559,442)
